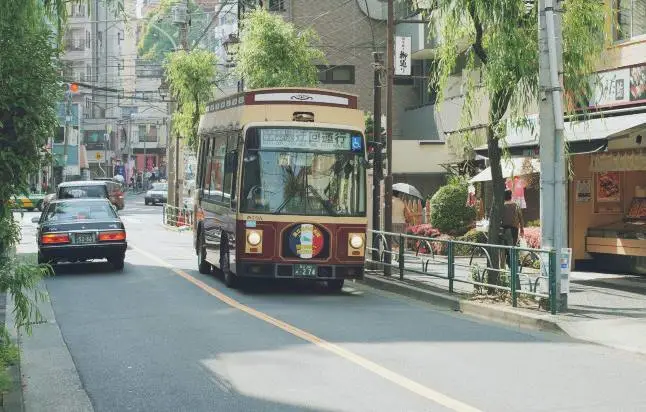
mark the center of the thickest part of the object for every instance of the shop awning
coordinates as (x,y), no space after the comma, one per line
(582,136)
(516,166)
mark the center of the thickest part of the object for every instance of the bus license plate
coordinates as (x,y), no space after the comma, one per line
(84,238)
(306,271)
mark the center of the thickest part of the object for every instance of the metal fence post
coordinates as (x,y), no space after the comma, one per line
(513,257)
(164,214)
(451,268)
(402,246)
(552,280)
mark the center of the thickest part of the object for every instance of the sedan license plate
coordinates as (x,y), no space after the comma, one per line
(306,271)
(82,238)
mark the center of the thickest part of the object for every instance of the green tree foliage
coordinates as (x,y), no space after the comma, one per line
(30,90)
(190,76)
(273,53)
(501,38)
(449,211)
(161,36)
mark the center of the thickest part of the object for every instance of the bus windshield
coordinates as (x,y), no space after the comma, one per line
(299,171)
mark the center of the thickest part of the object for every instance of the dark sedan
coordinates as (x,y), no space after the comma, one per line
(76,230)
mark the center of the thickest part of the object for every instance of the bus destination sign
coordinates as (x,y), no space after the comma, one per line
(305,139)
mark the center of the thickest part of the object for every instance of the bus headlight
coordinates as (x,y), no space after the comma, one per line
(356,241)
(254,238)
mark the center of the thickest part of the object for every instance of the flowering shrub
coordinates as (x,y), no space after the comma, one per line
(423,230)
(533,237)
(440,248)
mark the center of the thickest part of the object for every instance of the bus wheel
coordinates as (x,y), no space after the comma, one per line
(229,278)
(203,266)
(335,285)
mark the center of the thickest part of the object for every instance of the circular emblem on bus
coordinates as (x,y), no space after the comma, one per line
(306,241)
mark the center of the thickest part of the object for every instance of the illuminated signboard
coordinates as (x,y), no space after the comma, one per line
(309,139)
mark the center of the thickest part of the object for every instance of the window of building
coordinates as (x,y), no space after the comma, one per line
(59,136)
(336,74)
(147,133)
(276,5)
(426,93)
(630,19)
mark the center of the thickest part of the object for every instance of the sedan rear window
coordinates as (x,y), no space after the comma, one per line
(65,212)
(160,186)
(76,192)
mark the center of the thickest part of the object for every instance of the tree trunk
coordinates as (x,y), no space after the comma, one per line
(497,109)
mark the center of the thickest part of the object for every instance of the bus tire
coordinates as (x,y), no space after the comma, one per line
(230,280)
(335,285)
(203,266)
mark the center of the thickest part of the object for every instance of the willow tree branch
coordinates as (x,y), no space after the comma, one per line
(477,44)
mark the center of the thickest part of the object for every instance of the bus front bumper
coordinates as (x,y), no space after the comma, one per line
(303,271)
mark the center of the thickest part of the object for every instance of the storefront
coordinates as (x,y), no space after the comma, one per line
(607,208)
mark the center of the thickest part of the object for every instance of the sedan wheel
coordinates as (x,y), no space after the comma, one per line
(117,262)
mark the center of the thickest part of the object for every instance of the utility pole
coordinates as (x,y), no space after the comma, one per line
(68,127)
(390,65)
(552,145)
(180,17)
(377,174)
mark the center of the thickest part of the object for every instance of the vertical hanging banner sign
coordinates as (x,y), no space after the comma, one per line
(402,56)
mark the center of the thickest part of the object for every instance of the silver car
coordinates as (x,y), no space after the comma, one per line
(158,194)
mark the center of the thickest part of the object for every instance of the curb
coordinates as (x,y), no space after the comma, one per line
(13,399)
(507,315)
(176,229)
(49,378)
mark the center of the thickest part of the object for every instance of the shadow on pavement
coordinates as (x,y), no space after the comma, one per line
(89,268)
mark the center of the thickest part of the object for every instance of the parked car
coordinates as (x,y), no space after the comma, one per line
(158,194)
(75,230)
(115,189)
(80,189)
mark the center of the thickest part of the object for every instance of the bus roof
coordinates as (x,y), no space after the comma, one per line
(281,105)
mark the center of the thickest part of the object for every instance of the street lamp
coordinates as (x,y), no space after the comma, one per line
(163,89)
(231,46)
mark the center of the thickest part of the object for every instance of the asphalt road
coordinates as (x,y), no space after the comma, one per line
(162,337)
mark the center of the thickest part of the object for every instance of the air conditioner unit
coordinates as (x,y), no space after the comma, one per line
(179,14)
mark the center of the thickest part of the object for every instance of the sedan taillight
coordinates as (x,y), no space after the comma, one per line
(55,238)
(112,236)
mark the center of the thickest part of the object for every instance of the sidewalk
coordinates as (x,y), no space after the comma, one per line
(602,308)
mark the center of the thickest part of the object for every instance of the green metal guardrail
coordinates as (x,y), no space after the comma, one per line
(177,217)
(422,251)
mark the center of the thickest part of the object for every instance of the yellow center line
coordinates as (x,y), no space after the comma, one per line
(373,367)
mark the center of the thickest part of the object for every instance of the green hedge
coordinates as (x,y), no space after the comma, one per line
(449,211)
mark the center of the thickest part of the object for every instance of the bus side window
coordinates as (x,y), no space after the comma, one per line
(230,168)
(201,163)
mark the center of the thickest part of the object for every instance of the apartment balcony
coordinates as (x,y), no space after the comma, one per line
(77,49)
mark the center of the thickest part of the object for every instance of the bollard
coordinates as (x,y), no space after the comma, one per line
(401,256)
(513,257)
(451,268)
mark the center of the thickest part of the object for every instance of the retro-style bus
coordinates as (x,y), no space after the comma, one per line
(281,187)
